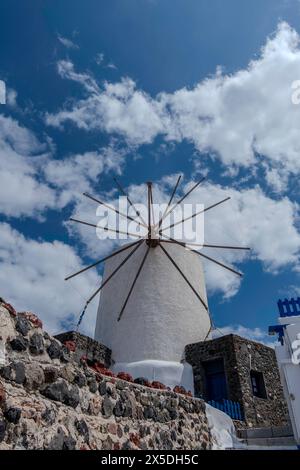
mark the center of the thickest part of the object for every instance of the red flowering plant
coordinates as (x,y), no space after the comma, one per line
(182,391)
(158,385)
(125,376)
(8,307)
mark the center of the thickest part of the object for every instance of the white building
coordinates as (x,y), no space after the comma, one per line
(288,357)
(162,316)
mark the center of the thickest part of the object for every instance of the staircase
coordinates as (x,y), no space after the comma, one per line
(270,438)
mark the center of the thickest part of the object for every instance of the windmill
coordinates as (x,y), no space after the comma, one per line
(153,300)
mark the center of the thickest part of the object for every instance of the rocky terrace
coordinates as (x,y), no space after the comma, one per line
(52,399)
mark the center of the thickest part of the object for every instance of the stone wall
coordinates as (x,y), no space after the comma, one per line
(87,347)
(240,356)
(52,399)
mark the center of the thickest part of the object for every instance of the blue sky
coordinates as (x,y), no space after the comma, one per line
(146,90)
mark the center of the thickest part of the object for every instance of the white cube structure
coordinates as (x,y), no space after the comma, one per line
(288,358)
(162,316)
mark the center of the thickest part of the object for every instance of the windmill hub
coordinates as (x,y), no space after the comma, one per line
(153,238)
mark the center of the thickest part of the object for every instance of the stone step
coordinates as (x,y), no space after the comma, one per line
(266,432)
(271,442)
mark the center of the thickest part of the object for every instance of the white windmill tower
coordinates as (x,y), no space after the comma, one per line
(153,301)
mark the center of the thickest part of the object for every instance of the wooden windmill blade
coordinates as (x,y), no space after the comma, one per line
(114,209)
(183,197)
(154,237)
(183,275)
(185,245)
(101,260)
(170,201)
(130,202)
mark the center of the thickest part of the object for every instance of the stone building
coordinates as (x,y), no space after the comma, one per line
(231,368)
(244,371)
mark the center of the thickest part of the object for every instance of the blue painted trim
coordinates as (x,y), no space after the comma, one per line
(277,329)
(231,408)
(289,308)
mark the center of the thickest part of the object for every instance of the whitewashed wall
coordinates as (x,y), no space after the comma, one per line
(290,372)
(163,314)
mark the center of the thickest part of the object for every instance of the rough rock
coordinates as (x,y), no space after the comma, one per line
(65,354)
(107,407)
(119,408)
(80,379)
(50,374)
(34,376)
(36,345)
(93,386)
(13,415)
(19,343)
(51,399)
(59,391)
(23,326)
(14,372)
(54,350)
(83,429)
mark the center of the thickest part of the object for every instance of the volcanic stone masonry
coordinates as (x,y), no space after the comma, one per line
(241,356)
(50,398)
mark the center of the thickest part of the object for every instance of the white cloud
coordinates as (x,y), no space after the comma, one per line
(32,278)
(11,98)
(250,219)
(32,181)
(277,179)
(239,117)
(67,42)
(254,334)
(19,138)
(111,65)
(119,108)
(290,291)
(66,70)
(21,192)
(2,92)
(86,210)
(78,173)
(99,58)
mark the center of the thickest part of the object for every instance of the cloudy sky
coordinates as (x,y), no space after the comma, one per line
(147,90)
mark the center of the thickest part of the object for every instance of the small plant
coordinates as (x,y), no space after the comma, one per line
(125,376)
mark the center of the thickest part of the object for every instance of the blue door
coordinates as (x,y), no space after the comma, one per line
(216,388)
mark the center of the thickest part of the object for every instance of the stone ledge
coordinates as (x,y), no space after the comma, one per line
(86,346)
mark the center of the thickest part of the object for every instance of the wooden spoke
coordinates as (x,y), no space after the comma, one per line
(170,201)
(205,256)
(184,277)
(219,263)
(184,197)
(194,215)
(152,208)
(204,245)
(102,260)
(134,282)
(114,272)
(223,247)
(113,209)
(149,209)
(106,229)
(130,202)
